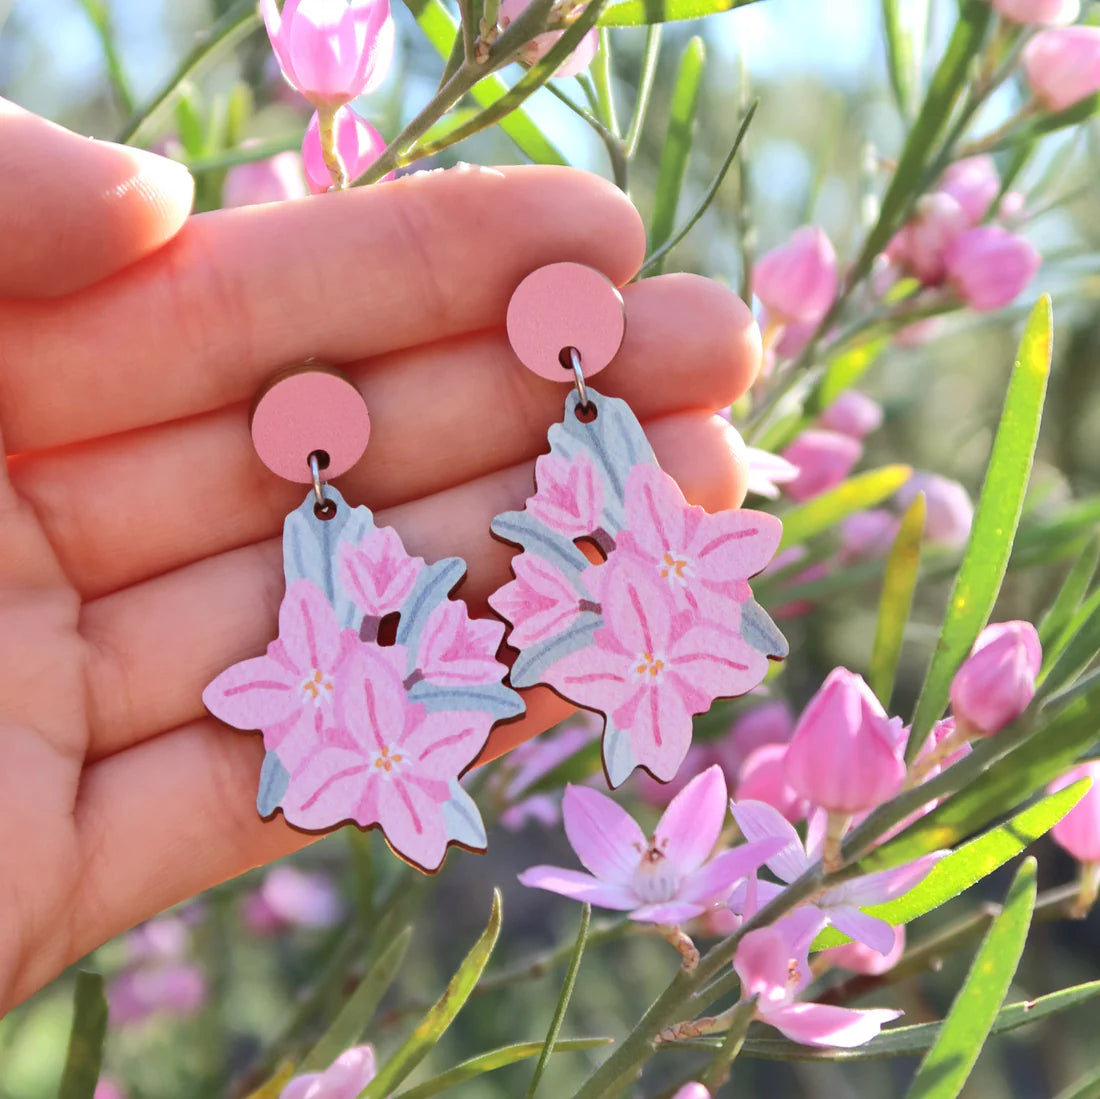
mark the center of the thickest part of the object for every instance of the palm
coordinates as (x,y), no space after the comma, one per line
(139,549)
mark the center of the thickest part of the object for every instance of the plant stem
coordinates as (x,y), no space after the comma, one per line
(326,126)
(718,1071)
(99,15)
(601,74)
(650,56)
(615,152)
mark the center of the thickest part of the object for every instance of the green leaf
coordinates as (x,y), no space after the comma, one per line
(1074,650)
(946,1066)
(677,148)
(494,1059)
(1070,594)
(86,1038)
(970,863)
(1088,1087)
(899,54)
(441,1014)
(823,512)
(898,585)
(637,13)
(354,1017)
(563,1000)
(998,514)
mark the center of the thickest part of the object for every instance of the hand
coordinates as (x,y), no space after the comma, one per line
(139,548)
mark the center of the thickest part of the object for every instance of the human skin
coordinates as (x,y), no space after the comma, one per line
(139,533)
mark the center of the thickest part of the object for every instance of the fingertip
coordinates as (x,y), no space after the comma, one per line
(706,455)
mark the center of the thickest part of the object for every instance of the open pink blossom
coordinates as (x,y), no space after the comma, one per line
(1079,830)
(703,560)
(331,50)
(857,957)
(358,144)
(652,666)
(540,602)
(291,692)
(456,649)
(823,458)
(345,1078)
(377,573)
(667,879)
(773,964)
(569,496)
(386,760)
(542,44)
(767,472)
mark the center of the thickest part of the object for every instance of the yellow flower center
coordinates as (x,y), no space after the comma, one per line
(388,761)
(318,686)
(673,567)
(649,665)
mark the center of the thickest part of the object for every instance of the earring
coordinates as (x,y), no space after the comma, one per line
(626,600)
(379,690)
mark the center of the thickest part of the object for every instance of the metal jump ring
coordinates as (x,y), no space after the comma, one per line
(318,486)
(578,379)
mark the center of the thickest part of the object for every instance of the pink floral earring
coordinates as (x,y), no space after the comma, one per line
(626,600)
(379,690)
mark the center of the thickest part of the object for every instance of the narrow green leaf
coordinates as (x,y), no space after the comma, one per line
(563,1000)
(998,514)
(674,157)
(637,13)
(1074,650)
(970,863)
(946,1066)
(441,1014)
(86,1038)
(898,585)
(354,1017)
(1069,596)
(899,54)
(823,512)
(1088,1087)
(494,1059)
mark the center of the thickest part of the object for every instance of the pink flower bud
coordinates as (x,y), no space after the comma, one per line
(107,1088)
(949,512)
(357,141)
(937,222)
(1038,11)
(997,680)
(345,1078)
(798,282)
(857,957)
(844,755)
(331,50)
(867,534)
(1079,830)
(823,458)
(989,266)
(692,1091)
(763,777)
(1063,65)
(973,183)
(852,413)
(542,44)
(273,180)
(769,723)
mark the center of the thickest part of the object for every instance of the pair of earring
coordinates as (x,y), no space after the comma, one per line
(380,690)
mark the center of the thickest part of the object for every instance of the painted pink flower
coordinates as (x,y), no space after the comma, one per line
(345,1078)
(386,760)
(569,496)
(652,667)
(542,44)
(539,603)
(703,560)
(377,573)
(667,879)
(357,141)
(456,649)
(291,692)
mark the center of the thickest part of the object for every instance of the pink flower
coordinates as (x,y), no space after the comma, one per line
(858,958)
(768,723)
(844,755)
(1079,830)
(938,221)
(569,496)
(1038,11)
(703,560)
(291,692)
(272,180)
(692,1091)
(378,574)
(539,603)
(767,472)
(989,266)
(531,761)
(824,459)
(791,556)
(171,989)
(542,44)
(358,143)
(973,183)
(331,50)
(852,413)
(107,1088)
(456,649)
(345,1078)
(665,880)
(290,897)
(867,534)
(997,680)
(949,512)
(1063,65)
(798,281)
(652,667)
(386,760)
(165,938)
(763,777)
(773,964)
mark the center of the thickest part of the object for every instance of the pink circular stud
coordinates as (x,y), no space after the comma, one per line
(561,306)
(307,409)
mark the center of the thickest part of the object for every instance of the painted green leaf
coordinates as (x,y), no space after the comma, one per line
(86,1038)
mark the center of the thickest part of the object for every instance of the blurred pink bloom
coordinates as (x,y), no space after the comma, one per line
(272,180)
(1063,65)
(1012,205)
(378,574)
(773,964)
(858,958)
(845,755)
(107,1088)
(923,242)
(289,897)
(918,333)
(357,141)
(988,267)
(458,650)
(798,607)
(767,472)
(763,777)
(794,338)
(768,723)
(1038,11)
(345,1078)
(1079,830)
(867,534)
(540,602)
(165,938)
(973,183)
(949,512)
(665,880)
(331,50)
(852,413)
(531,761)
(171,988)
(692,1091)
(569,498)
(542,44)
(997,680)
(823,458)
(798,281)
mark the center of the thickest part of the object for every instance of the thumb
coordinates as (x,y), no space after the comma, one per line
(74,210)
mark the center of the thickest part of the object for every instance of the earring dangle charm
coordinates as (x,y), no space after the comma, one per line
(626,600)
(379,690)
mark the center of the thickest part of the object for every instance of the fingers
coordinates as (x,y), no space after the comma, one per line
(154,647)
(448,413)
(74,210)
(240,293)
